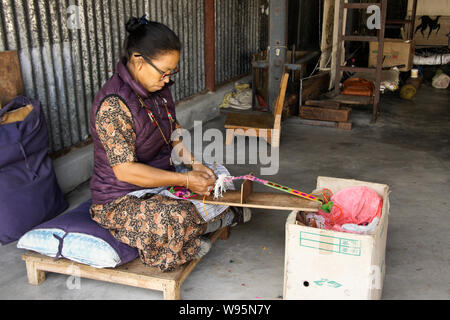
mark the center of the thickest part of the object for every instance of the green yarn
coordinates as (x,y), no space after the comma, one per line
(407,92)
(327,207)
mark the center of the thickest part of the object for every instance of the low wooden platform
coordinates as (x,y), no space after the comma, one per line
(349,99)
(325,114)
(329,113)
(341,99)
(347,125)
(263,200)
(134,273)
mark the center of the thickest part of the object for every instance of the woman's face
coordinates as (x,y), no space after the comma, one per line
(147,75)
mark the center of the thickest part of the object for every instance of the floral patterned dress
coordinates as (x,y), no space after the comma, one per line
(166,231)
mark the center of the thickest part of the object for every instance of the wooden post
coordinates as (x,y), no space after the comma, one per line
(278,12)
(210,46)
(11,83)
(339,46)
(229,136)
(413,20)
(246,190)
(172,291)
(35,276)
(225,234)
(380,33)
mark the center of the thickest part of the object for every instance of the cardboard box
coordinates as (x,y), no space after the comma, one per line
(437,37)
(324,264)
(396,52)
(430,7)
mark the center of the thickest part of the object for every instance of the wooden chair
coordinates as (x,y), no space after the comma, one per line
(267,126)
(11,84)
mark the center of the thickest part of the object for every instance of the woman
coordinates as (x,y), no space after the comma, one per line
(132,120)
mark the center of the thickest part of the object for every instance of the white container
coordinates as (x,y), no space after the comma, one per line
(324,264)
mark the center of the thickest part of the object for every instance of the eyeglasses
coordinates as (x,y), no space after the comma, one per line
(163,74)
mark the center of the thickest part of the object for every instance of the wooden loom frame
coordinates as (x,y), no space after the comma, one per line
(245,197)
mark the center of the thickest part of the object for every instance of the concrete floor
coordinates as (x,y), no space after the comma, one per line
(408,149)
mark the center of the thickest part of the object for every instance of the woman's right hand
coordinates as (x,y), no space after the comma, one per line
(200,182)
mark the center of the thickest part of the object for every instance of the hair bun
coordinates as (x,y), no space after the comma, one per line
(132,24)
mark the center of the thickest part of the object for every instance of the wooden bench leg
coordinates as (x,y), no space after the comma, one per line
(35,276)
(225,233)
(172,291)
(230,136)
(274,138)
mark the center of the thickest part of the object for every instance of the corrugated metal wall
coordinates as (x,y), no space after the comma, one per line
(68,49)
(239,35)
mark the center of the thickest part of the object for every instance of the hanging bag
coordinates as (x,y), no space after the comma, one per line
(29,192)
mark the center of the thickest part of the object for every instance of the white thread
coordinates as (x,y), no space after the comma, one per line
(221,185)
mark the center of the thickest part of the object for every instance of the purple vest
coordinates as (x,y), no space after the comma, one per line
(151,149)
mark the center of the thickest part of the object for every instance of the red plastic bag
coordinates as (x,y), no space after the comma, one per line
(354,205)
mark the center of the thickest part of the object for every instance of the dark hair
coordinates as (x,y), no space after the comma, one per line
(149,38)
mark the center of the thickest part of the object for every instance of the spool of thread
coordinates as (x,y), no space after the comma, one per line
(414,73)
(407,92)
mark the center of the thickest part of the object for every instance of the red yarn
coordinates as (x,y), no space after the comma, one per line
(354,205)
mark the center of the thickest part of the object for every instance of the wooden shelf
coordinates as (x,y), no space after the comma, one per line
(264,200)
(249,120)
(375,100)
(360,5)
(358,69)
(360,38)
(398,21)
(348,99)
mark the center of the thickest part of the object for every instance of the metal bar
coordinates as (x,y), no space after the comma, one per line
(253,87)
(337,75)
(413,20)
(300,91)
(358,69)
(260,64)
(299,66)
(293,66)
(359,38)
(277,47)
(210,46)
(398,21)
(359,5)
(299,23)
(190,49)
(293,52)
(376,99)
(307,57)
(183,37)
